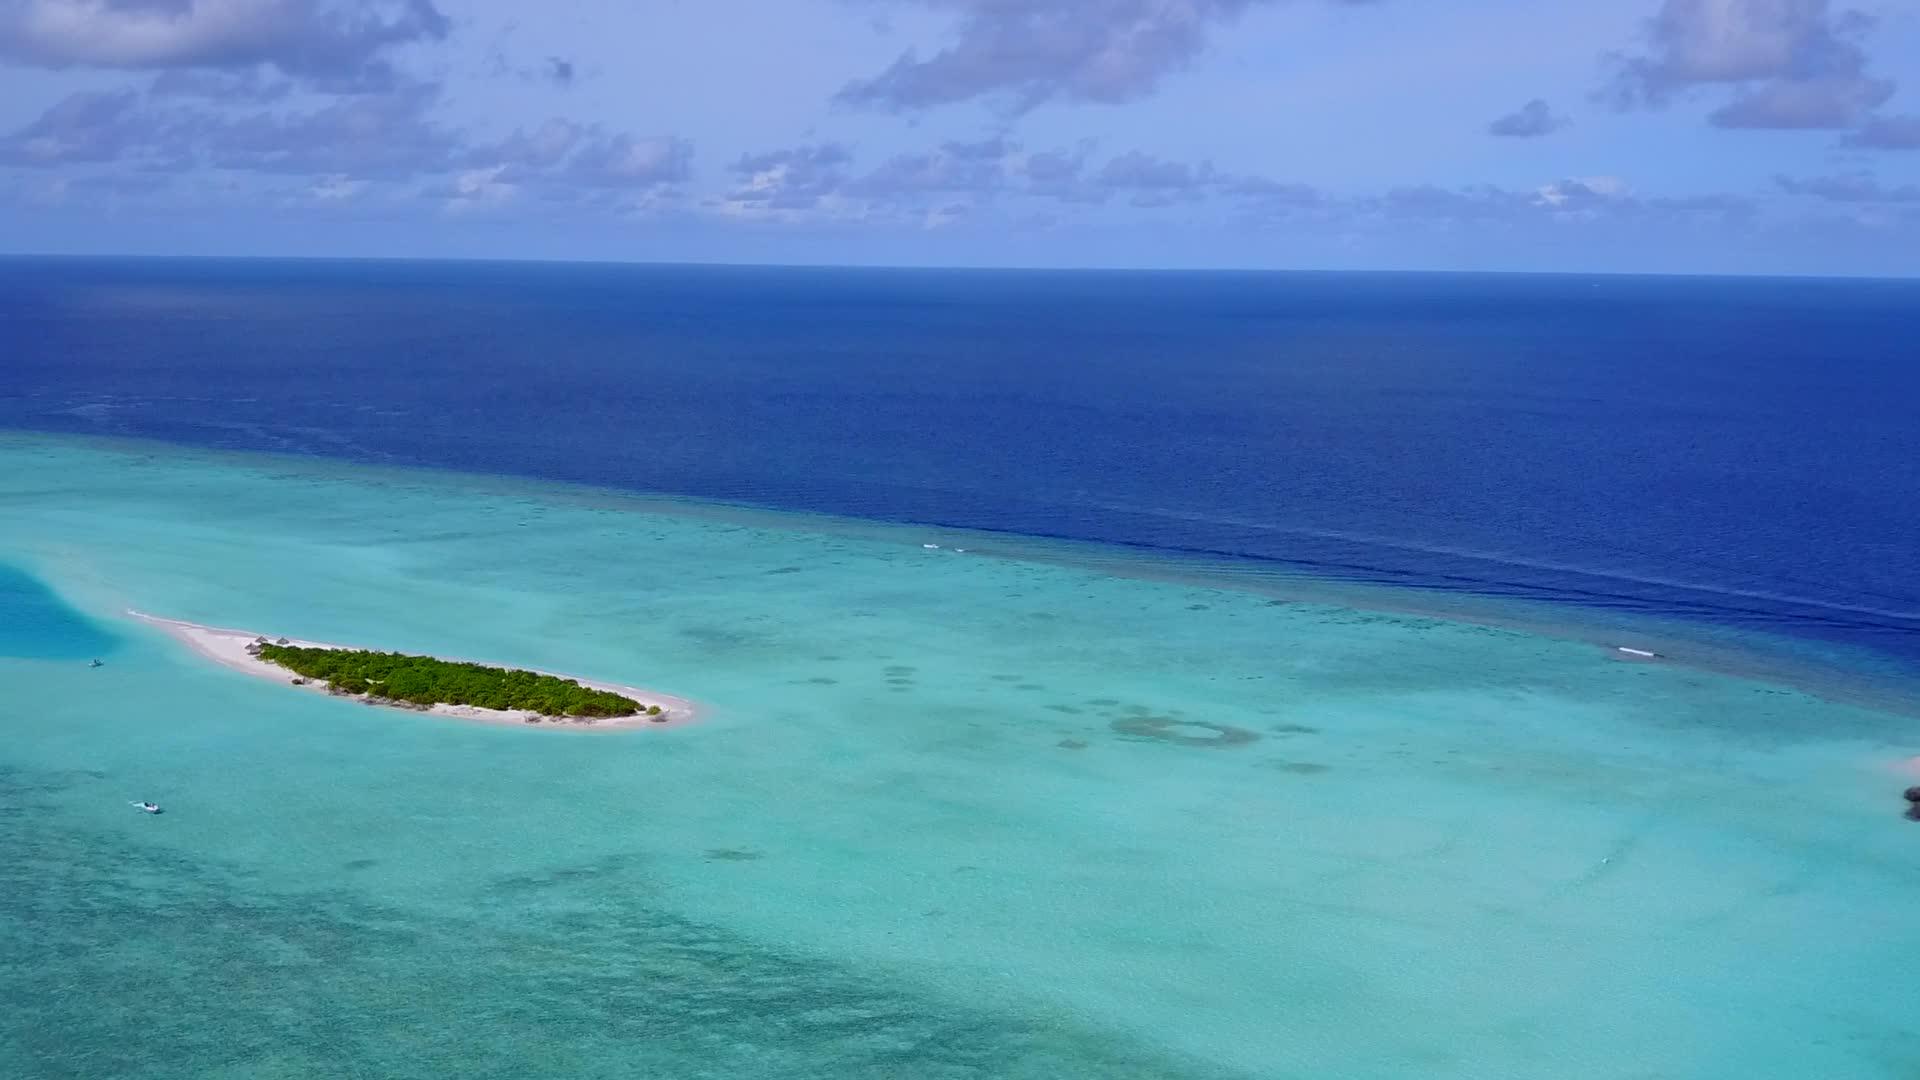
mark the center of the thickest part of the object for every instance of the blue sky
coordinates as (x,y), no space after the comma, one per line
(1770,136)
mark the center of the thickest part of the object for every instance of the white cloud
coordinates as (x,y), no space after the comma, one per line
(325,39)
(1788,63)
(479,190)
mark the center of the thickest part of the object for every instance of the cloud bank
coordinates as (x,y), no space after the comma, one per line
(1034,51)
(1886,133)
(1530,121)
(335,42)
(1849,188)
(1791,64)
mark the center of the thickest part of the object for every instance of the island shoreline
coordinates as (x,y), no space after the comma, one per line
(228,648)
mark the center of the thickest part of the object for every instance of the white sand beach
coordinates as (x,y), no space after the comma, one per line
(228,647)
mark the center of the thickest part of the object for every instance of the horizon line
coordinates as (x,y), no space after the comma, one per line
(721,264)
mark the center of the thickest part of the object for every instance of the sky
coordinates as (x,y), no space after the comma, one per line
(1662,136)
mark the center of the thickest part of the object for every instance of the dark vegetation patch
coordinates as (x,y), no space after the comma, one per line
(425,681)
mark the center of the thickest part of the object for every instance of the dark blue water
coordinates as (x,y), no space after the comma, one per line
(36,625)
(1740,453)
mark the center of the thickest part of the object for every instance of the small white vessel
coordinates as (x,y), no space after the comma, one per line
(147,807)
(1641,653)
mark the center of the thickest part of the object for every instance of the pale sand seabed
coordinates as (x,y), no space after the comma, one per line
(950,817)
(228,648)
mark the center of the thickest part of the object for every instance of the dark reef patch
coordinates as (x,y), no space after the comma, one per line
(726,640)
(1182,732)
(1072,744)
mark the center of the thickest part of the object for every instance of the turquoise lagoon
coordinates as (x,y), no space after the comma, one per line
(949,815)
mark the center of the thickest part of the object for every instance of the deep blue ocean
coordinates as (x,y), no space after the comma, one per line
(39,626)
(1739,453)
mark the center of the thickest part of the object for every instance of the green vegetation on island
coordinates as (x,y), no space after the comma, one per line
(425,681)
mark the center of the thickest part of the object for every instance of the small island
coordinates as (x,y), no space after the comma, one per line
(396,678)
(463,689)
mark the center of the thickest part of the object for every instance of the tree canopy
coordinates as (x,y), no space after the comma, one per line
(424,680)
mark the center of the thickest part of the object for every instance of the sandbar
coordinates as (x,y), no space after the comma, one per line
(228,648)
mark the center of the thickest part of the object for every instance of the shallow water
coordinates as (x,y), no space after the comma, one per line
(951,816)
